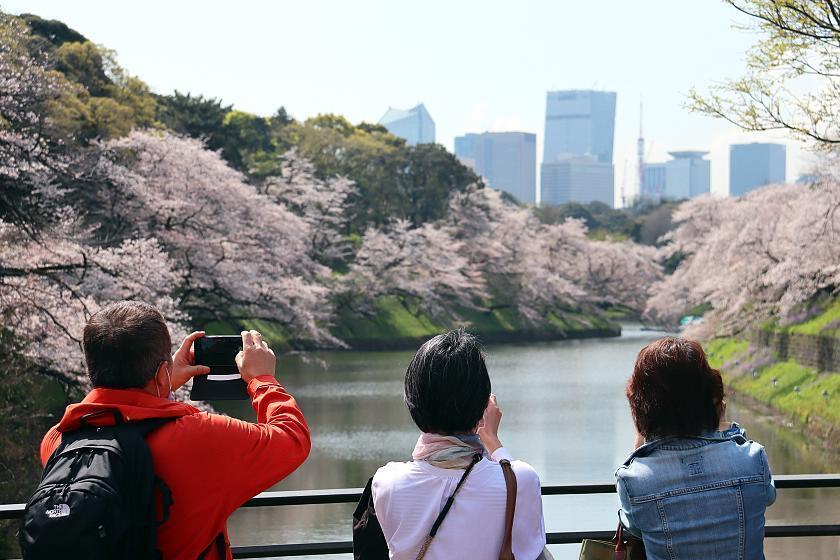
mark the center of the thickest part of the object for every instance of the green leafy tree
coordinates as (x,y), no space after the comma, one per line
(48,34)
(792,79)
(431,175)
(196,116)
(332,122)
(248,143)
(644,222)
(84,64)
(393,180)
(99,99)
(281,118)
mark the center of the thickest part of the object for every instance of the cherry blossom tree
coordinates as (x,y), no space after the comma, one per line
(751,258)
(423,264)
(619,273)
(548,268)
(320,203)
(51,285)
(29,157)
(242,255)
(489,254)
(52,276)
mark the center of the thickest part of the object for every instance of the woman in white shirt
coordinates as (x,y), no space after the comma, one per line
(447,391)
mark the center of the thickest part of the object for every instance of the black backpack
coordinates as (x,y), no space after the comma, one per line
(368,539)
(96,498)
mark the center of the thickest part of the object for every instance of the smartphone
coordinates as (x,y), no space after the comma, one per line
(223,382)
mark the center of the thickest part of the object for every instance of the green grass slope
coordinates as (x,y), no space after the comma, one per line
(800,393)
(392,325)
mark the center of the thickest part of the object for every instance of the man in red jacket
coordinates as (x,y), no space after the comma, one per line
(211,463)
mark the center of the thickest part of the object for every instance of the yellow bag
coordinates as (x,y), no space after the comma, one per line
(622,547)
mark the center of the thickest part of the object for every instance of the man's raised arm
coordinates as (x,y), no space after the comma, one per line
(256,456)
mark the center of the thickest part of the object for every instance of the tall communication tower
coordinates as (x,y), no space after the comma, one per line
(640,154)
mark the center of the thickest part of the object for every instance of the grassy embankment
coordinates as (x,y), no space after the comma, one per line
(752,372)
(393,326)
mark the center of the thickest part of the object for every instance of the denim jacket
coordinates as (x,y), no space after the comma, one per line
(697,497)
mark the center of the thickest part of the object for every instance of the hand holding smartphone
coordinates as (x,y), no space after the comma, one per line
(224,381)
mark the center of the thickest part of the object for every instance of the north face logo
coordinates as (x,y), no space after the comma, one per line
(58,510)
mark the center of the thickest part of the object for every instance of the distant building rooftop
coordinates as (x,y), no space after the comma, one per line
(687,154)
(415,124)
(393,114)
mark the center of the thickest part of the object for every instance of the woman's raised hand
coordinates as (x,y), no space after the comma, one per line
(488,428)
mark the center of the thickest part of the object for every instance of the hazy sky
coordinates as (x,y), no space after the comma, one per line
(477,65)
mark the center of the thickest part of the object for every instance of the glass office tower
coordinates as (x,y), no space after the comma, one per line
(577,154)
(579,123)
(506,160)
(686,176)
(415,124)
(755,165)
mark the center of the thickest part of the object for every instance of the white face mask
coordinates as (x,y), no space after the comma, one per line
(171,395)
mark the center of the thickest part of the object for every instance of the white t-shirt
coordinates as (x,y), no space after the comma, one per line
(409,496)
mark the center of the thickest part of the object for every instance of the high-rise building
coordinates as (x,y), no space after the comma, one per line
(755,165)
(579,123)
(685,176)
(577,179)
(653,181)
(577,155)
(506,160)
(415,124)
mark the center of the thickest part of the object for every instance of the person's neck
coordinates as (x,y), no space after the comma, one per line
(151,388)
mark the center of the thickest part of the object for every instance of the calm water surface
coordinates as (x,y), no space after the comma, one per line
(564,413)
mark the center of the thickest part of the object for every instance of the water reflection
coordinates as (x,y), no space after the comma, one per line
(564,412)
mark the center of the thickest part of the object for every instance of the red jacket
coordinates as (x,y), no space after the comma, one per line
(211,463)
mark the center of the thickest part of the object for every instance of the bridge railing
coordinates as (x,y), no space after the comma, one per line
(352,495)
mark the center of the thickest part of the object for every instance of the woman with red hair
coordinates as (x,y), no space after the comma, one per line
(695,487)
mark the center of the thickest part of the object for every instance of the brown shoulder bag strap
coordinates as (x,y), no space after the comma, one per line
(510,509)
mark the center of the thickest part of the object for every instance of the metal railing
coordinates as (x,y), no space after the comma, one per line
(352,495)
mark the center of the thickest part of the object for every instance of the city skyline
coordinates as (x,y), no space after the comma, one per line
(292,55)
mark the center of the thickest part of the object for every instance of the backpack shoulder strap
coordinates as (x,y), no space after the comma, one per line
(141,429)
(506,552)
(145,427)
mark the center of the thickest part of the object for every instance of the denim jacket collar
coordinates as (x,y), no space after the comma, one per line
(734,433)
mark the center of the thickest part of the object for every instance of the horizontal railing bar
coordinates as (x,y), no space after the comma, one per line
(802,531)
(352,495)
(807,481)
(582,488)
(565,537)
(305,497)
(771,531)
(304,549)
(11,511)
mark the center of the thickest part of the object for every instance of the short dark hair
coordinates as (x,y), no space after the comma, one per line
(447,385)
(674,391)
(124,345)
